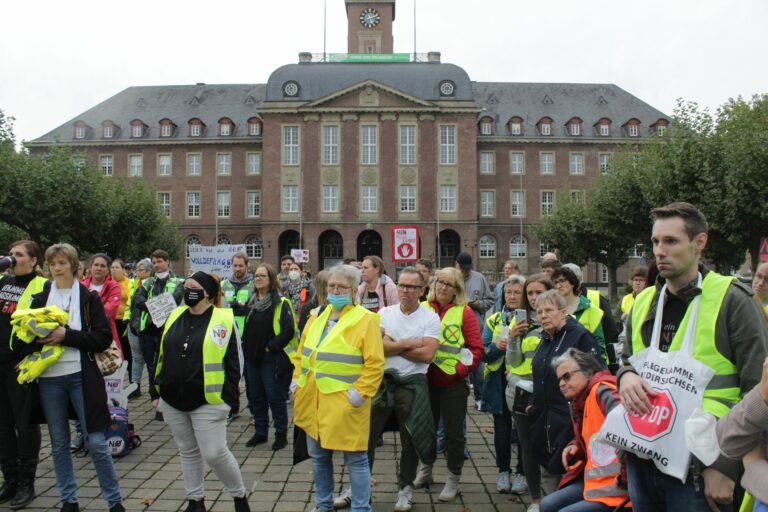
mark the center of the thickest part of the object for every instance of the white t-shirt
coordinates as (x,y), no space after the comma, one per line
(397,325)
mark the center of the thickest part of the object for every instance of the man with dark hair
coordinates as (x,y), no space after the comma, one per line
(424,266)
(285,267)
(729,337)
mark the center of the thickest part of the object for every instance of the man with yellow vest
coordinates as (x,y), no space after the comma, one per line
(639,276)
(729,337)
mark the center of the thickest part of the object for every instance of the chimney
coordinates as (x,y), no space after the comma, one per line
(433,57)
(305,57)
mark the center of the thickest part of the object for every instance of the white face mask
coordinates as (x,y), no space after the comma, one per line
(294,275)
(161,275)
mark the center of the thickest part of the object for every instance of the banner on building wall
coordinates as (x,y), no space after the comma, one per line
(405,244)
(214,259)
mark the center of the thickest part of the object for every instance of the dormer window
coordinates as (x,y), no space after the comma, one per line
(81,130)
(604,127)
(108,132)
(516,126)
(486,126)
(633,128)
(196,127)
(138,129)
(545,126)
(661,126)
(226,127)
(167,128)
(254,127)
(574,127)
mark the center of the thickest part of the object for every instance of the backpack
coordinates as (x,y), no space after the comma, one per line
(121,439)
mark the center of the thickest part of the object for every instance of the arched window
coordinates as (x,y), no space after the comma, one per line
(226,127)
(545,126)
(254,126)
(486,125)
(223,240)
(518,247)
(487,247)
(254,247)
(192,240)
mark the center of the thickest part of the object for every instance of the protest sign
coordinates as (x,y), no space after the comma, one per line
(160,308)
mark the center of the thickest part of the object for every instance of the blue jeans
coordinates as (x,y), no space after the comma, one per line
(359,477)
(56,394)
(652,490)
(571,499)
(265,391)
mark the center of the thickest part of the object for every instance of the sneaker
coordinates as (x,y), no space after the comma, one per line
(423,476)
(78,442)
(440,446)
(478,404)
(344,499)
(519,484)
(136,393)
(533,507)
(502,481)
(256,440)
(451,488)
(404,499)
(232,416)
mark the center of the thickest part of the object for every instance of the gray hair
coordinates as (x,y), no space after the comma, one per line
(585,361)
(348,272)
(553,297)
(147,264)
(514,279)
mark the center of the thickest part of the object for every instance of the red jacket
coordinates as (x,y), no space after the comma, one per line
(111,296)
(472,341)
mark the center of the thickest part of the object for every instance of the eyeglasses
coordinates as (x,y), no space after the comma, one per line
(444,284)
(260,276)
(409,287)
(338,288)
(567,376)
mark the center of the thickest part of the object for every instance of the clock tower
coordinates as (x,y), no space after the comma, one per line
(370,26)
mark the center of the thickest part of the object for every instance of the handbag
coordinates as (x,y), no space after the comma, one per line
(109,360)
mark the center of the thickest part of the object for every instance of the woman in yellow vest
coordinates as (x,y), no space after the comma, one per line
(19,434)
(596,480)
(339,367)
(579,307)
(117,271)
(197,377)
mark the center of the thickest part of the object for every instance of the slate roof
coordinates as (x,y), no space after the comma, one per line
(561,102)
(179,103)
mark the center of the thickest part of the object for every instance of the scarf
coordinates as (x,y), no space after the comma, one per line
(294,291)
(261,305)
(71,305)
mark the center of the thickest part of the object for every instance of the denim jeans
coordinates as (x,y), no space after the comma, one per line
(264,392)
(150,347)
(652,490)
(56,394)
(322,469)
(571,499)
(137,367)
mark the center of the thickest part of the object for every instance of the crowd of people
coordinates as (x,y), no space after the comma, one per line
(358,353)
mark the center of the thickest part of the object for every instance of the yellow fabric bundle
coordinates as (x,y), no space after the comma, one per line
(34,364)
(30,324)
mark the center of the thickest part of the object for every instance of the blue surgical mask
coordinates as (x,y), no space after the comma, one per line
(339,301)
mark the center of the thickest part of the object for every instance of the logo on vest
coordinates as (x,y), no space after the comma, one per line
(451,334)
(219,335)
(658,422)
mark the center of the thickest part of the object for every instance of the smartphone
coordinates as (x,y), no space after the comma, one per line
(521,314)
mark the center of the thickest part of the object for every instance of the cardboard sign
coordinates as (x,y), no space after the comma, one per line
(300,255)
(213,259)
(160,308)
(405,243)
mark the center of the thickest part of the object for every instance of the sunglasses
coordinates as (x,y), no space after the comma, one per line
(567,376)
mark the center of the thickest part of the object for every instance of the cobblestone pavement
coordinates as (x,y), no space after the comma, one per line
(151,478)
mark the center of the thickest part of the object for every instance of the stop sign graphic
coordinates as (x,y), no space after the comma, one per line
(658,422)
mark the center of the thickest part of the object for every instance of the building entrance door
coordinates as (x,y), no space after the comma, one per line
(368,244)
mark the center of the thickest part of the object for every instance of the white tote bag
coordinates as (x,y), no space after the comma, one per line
(680,380)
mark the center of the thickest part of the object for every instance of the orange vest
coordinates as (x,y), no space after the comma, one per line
(600,475)
(303,296)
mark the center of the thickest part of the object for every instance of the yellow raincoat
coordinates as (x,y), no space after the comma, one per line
(330,417)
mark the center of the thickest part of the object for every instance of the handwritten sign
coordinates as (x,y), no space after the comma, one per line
(300,255)
(213,259)
(160,308)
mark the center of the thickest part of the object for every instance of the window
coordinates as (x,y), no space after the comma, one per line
(575,129)
(194,164)
(193,205)
(253,163)
(223,164)
(487,247)
(254,247)
(517,162)
(518,247)
(605,160)
(254,128)
(487,203)
(636,251)
(486,162)
(107,164)
(330,145)
(369,199)
(661,130)
(577,196)
(166,130)
(290,145)
(408,145)
(516,128)
(253,203)
(544,249)
(223,240)
(577,163)
(633,130)
(290,199)
(370,145)
(225,129)
(545,128)
(447,145)
(222,204)
(192,240)
(79,164)
(447,198)
(135,165)
(547,163)
(79,132)
(547,202)
(195,130)
(407,198)
(164,165)
(164,200)
(517,203)
(605,130)
(137,130)
(603,274)
(486,128)
(108,132)
(330,198)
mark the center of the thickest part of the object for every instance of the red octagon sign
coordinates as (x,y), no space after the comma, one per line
(658,422)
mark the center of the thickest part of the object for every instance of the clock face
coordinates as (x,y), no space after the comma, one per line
(370,18)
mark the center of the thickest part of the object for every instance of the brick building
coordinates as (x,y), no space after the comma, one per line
(329,155)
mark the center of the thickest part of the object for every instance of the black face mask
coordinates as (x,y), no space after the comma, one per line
(193,296)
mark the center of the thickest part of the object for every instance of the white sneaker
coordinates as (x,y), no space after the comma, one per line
(502,482)
(478,404)
(533,507)
(423,476)
(451,488)
(344,499)
(519,484)
(404,499)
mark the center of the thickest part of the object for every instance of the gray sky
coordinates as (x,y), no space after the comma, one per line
(57,59)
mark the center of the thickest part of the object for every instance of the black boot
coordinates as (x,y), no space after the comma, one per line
(241,504)
(26,490)
(281,441)
(70,507)
(256,440)
(10,469)
(196,506)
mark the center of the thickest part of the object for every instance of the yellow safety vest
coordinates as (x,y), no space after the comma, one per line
(337,364)
(594,297)
(132,287)
(626,303)
(242,296)
(292,345)
(496,325)
(35,286)
(723,392)
(215,345)
(451,338)
(590,318)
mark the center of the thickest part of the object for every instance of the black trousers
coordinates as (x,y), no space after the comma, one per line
(19,435)
(150,349)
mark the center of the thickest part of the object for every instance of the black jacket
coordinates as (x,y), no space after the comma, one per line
(259,334)
(550,413)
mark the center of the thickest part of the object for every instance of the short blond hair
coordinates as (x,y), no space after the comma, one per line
(68,251)
(460,299)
